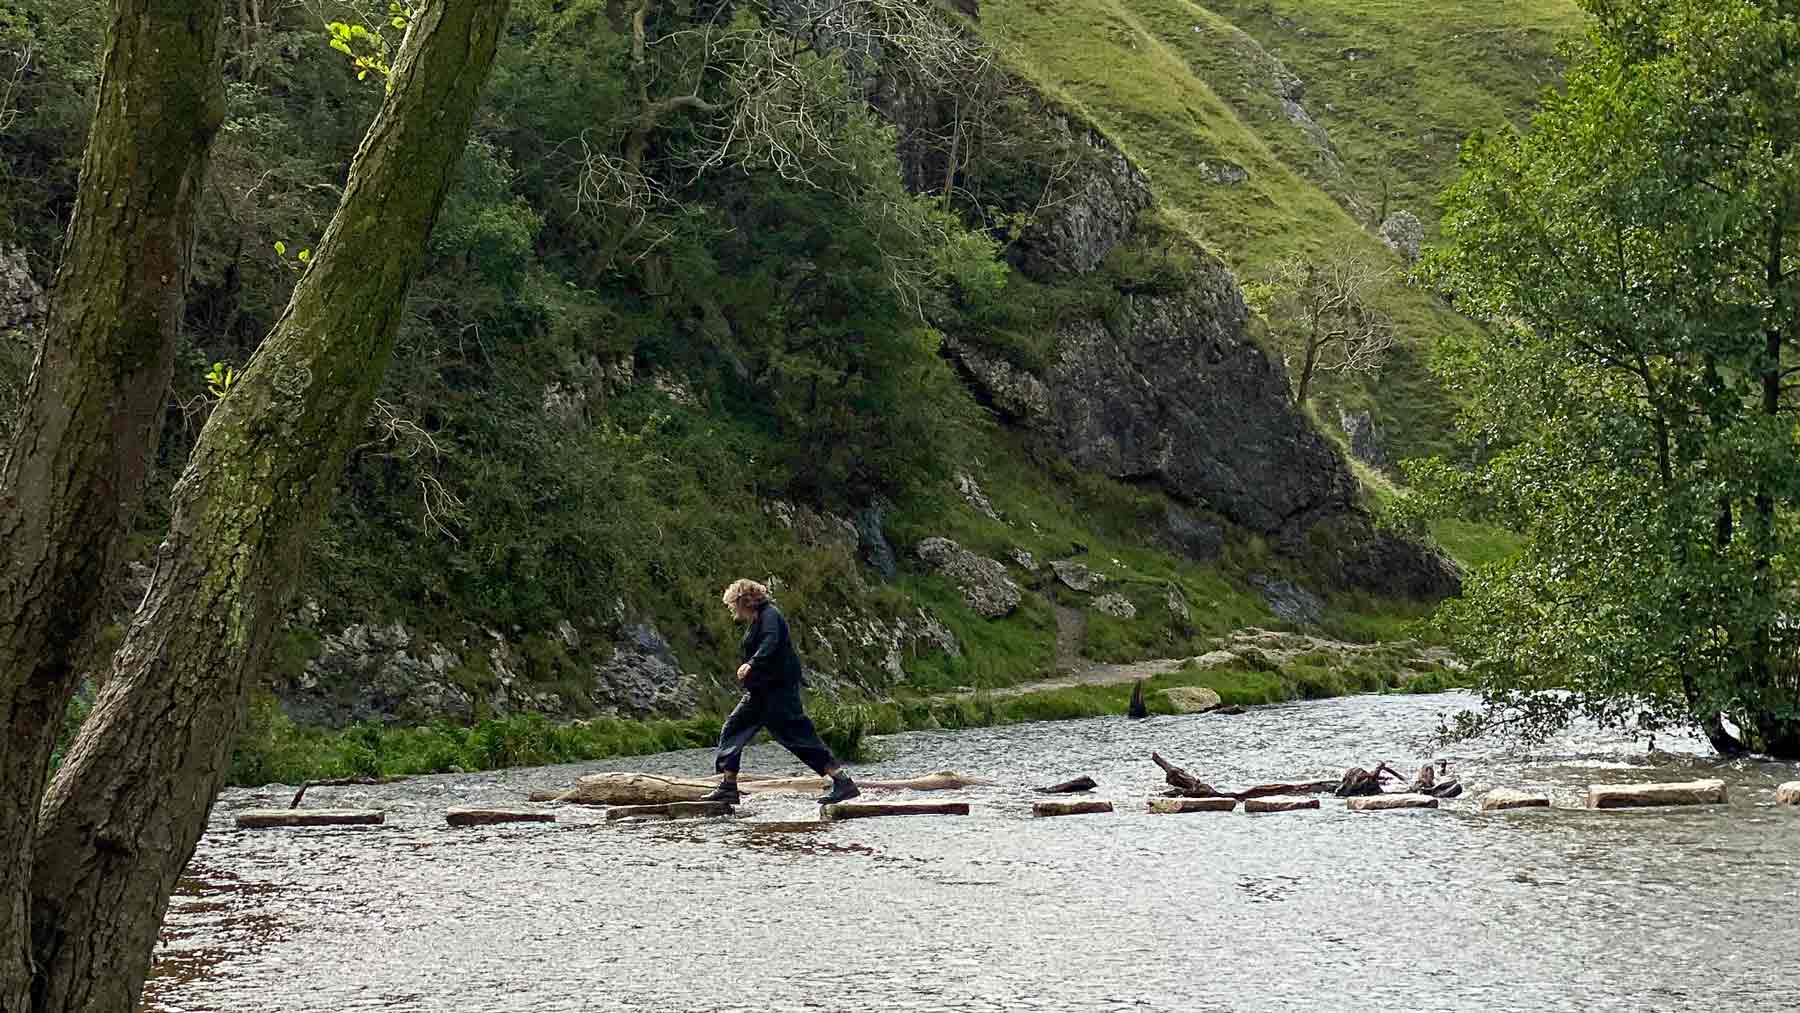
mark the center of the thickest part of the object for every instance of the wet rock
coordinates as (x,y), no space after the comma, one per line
(1501,799)
(670,811)
(1192,805)
(1378,803)
(970,490)
(1083,783)
(1365,439)
(1290,602)
(1279,804)
(269,819)
(1192,699)
(1622,796)
(1788,794)
(482,817)
(1043,809)
(867,810)
(873,547)
(1231,709)
(1116,605)
(1076,576)
(983,581)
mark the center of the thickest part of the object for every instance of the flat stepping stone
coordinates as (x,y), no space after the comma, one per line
(1626,796)
(1788,794)
(1069,787)
(1070,808)
(269,819)
(1279,804)
(1501,799)
(1192,805)
(478,817)
(670,811)
(867,810)
(1377,803)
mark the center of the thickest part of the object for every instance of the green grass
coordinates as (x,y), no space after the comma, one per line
(1182,86)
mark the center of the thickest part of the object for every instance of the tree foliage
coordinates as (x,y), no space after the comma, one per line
(1634,254)
(1323,314)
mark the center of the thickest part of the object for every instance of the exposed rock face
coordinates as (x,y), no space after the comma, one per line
(1289,602)
(1365,439)
(873,547)
(643,677)
(1192,699)
(970,490)
(1178,607)
(1404,234)
(1076,576)
(835,643)
(1186,535)
(22,302)
(984,583)
(1346,549)
(1174,391)
(1621,796)
(1016,394)
(1116,605)
(376,672)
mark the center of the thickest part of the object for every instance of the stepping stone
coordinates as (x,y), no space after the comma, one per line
(1192,805)
(267,819)
(1070,808)
(1788,794)
(1377,803)
(475,817)
(867,810)
(1501,799)
(1622,796)
(670,811)
(1083,783)
(1279,804)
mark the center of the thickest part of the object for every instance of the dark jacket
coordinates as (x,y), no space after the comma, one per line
(769,650)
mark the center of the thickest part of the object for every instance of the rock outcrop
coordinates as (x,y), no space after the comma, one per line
(983,581)
(22,302)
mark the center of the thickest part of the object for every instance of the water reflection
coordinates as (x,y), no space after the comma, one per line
(1310,911)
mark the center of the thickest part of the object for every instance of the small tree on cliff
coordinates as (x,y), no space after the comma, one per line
(1635,258)
(128,805)
(1320,313)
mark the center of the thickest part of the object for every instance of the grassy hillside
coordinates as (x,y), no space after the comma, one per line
(1193,92)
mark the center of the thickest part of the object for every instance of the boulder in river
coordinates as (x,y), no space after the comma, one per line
(1279,804)
(481,817)
(1081,808)
(1192,805)
(1624,796)
(1501,799)
(264,819)
(1192,699)
(1398,800)
(1788,794)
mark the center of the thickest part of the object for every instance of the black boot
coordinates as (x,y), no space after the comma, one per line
(842,789)
(726,792)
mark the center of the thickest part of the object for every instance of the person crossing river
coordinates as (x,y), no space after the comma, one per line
(770,675)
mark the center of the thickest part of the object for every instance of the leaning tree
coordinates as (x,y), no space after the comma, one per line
(127,807)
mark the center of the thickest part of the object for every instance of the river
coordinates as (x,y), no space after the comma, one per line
(1664,910)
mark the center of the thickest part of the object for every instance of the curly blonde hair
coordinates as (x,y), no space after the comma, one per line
(747,591)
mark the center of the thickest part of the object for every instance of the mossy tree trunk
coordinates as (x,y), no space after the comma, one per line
(74,473)
(128,806)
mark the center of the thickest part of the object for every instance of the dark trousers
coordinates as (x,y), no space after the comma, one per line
(779,711)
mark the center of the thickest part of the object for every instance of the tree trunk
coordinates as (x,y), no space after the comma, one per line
(74,474)
(124,813)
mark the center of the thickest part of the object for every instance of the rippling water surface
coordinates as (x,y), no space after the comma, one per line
(1666,910)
